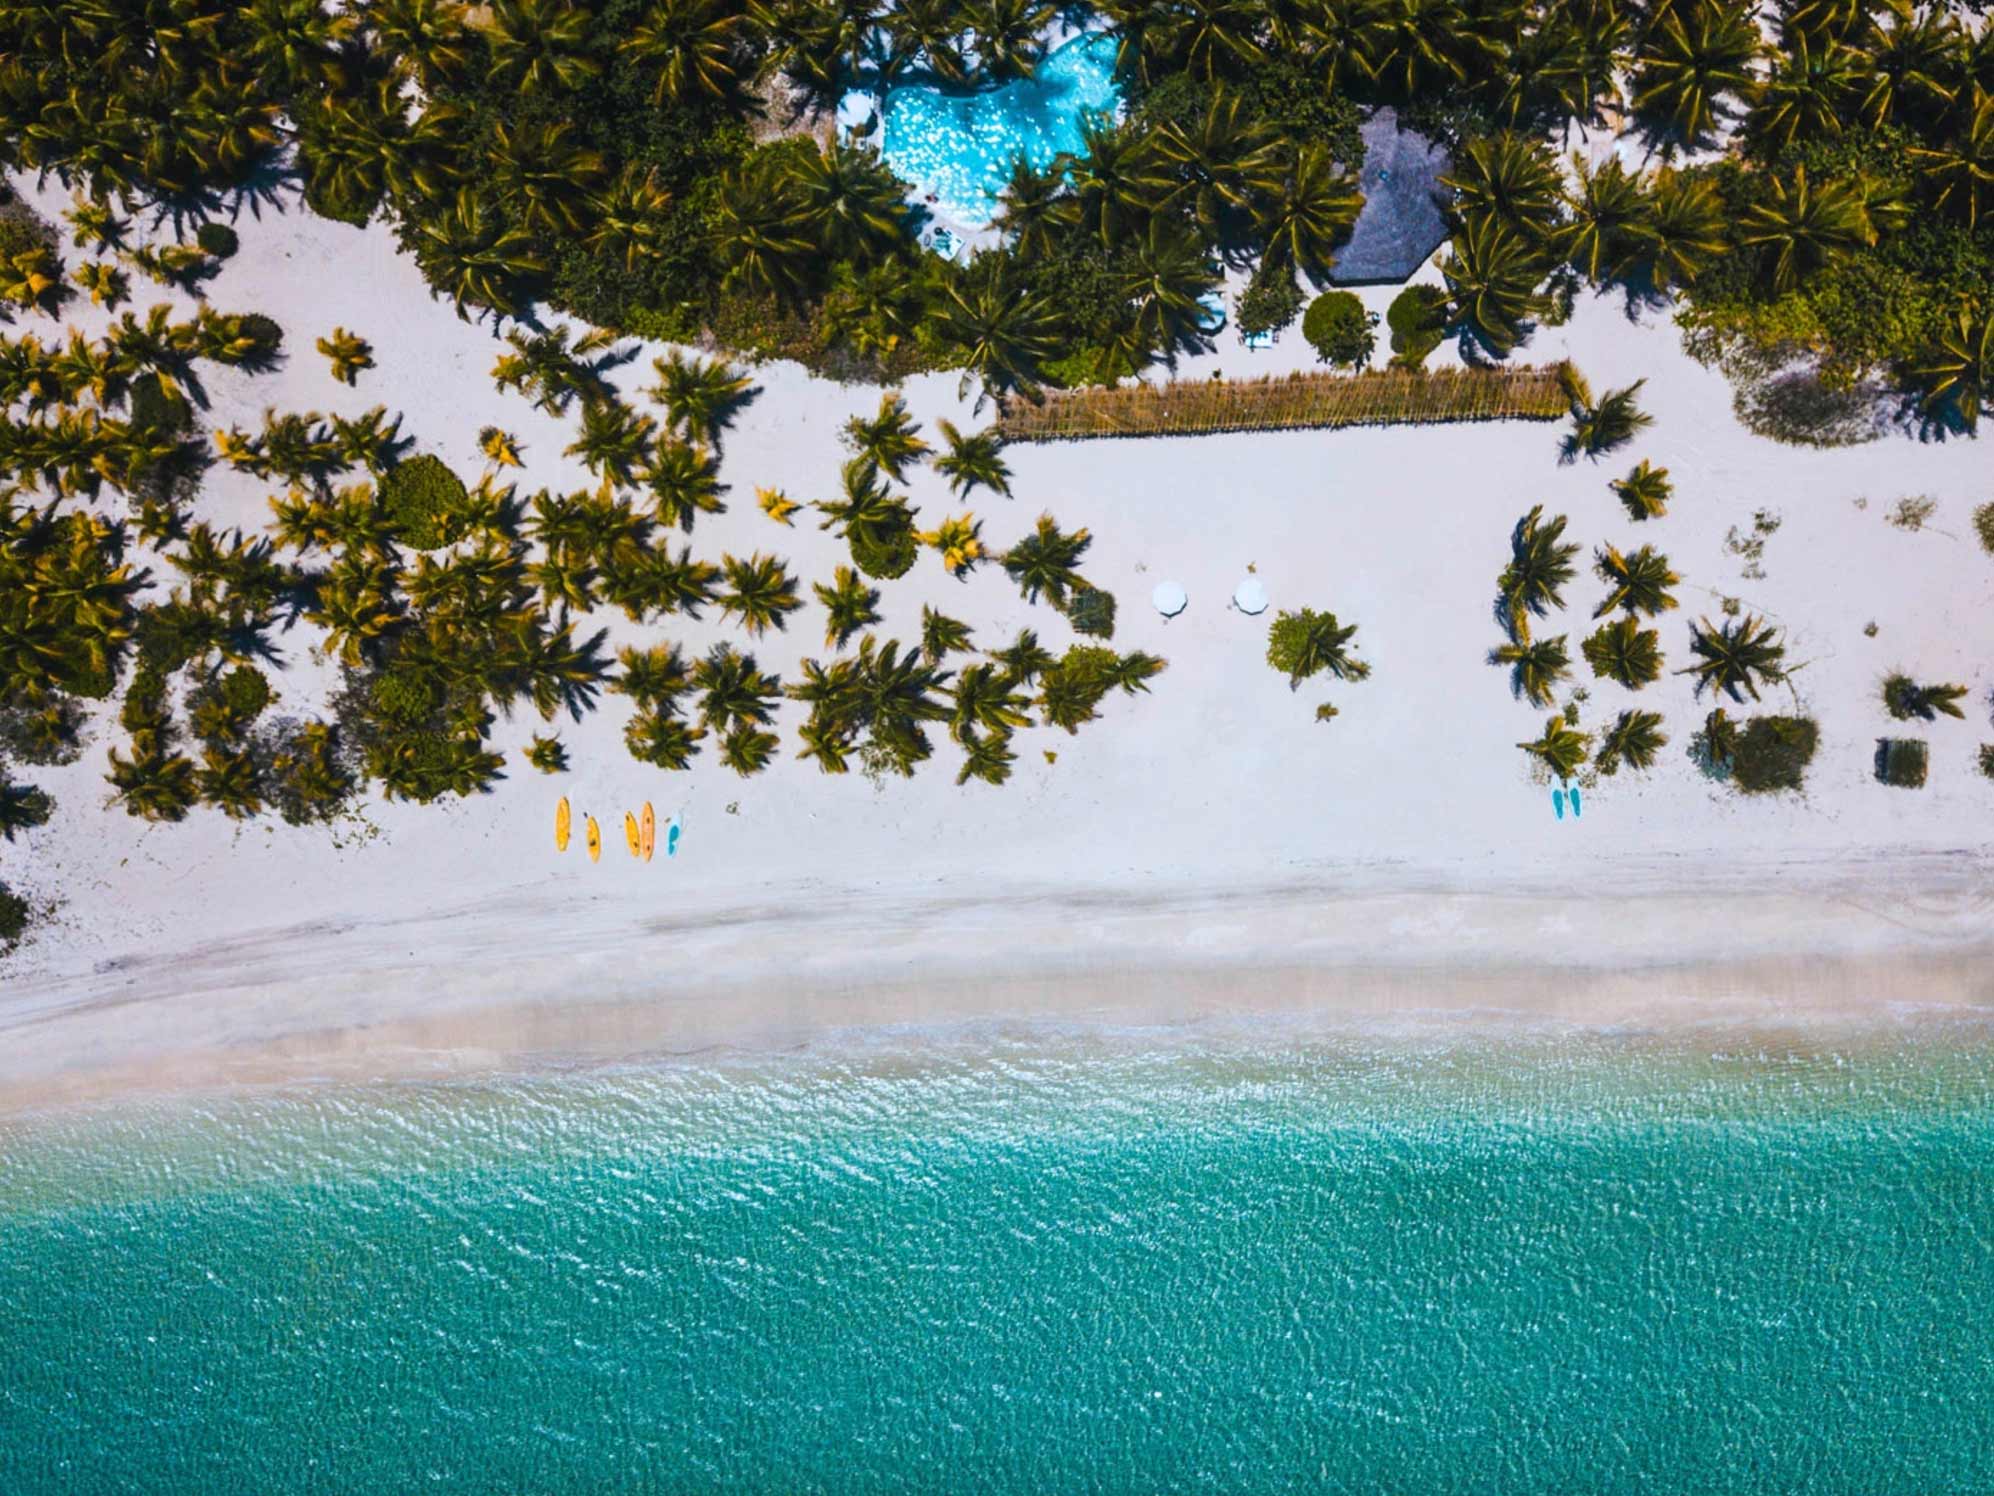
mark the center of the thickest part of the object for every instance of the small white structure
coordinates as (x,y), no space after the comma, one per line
(1170,599)
(858,114)
(1249,596)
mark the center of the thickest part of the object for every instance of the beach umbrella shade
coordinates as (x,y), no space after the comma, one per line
(1169,598)
(1249,596)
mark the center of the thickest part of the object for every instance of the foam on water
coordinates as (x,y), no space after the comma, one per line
(1008,1266)
(959,145)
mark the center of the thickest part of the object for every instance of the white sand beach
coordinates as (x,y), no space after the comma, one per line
(1207,849)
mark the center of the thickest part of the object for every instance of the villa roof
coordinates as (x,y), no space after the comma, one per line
(1401,225)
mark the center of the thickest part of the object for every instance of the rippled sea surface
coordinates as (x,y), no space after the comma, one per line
(1024,1266)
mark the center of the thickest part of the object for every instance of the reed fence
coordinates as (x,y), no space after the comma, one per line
(1287,402)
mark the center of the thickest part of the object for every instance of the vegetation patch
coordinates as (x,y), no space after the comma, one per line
(1340,330)
(1902,762)
(1769,754)
(1307,643)
(1417,319)
(425,502)
(14,918)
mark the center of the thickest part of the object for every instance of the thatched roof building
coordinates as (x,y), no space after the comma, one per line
(1401,225)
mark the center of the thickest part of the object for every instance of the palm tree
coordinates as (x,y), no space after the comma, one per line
(348,353)
(1958,375)
(1535,667)
(747,750)
(1909,65)
(613,441)
(986,700)
(959,539)
(1540,563)
(538,46)
(1636,738)
(1598,426)
(1904,699)
(849,606)
(1492,273)
(733,692)
(684,481)
(693,44)
(231,782)
(699,397)
(1804,96)
(654,678)
(847,201)
(760,590)
(1006,35)
(973,458)
(1961,169)
(669,743)
(760,232)
(1735,657)
(1306,643)
(888,440)
(942,635)
(1562,747)
(1805,226)
(1511,176)
(1686,228)
(1645,491)
(474,257)
(1609,218)
(1412,44)
(1166,277)
(1306,211)
(1024,659)
(988,758)
(1207,38)
(1035,207)
(1623,651)
(1046,560)
(1220,162)
(1117,178)
(153,784)
(1699,54)
(22,808)
(1640,582)
(1003,330)
(425,39)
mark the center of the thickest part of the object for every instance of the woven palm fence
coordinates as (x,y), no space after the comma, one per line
(1199,407)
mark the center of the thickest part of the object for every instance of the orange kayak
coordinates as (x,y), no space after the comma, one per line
(564,821)
(630,837)
(647,832)
(594,838)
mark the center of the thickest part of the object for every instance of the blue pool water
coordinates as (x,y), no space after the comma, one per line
(959,146)
(1024,1266)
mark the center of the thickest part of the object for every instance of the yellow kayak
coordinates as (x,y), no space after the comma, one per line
(595,838)
(630,837)
(564,820)
(647,832)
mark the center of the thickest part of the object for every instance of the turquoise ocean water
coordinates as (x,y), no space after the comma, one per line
(1045,1264)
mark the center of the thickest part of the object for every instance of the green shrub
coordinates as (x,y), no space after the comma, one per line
(1339,329)
(1418,320)
(266,334)
(1272,300)
(1987,759)
(157,411)
(1773,754)
(1983,526)
(217,239)
(1902,762)
(425,502)
(1092,611)
(885,552)
(224,710)
(13,918)
(405,698)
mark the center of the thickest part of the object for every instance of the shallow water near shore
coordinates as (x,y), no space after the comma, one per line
(1011,1264)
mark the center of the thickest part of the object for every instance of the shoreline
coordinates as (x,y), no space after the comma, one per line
(450,997)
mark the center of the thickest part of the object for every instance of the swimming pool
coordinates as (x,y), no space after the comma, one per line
(959,146)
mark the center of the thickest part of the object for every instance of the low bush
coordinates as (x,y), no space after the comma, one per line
(1272,300)
(1773,753)
(13,918)
(1902,762)
(1339,329)
(1983,526)
(426,502)
(217,239)
(1987,759)
(884,552)
(1092,611)
(157,411)
(1417,318)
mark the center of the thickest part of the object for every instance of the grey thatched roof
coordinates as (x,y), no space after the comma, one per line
(1401,225)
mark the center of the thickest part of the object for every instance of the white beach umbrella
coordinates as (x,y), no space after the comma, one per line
(1249,596)
(1169,598)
